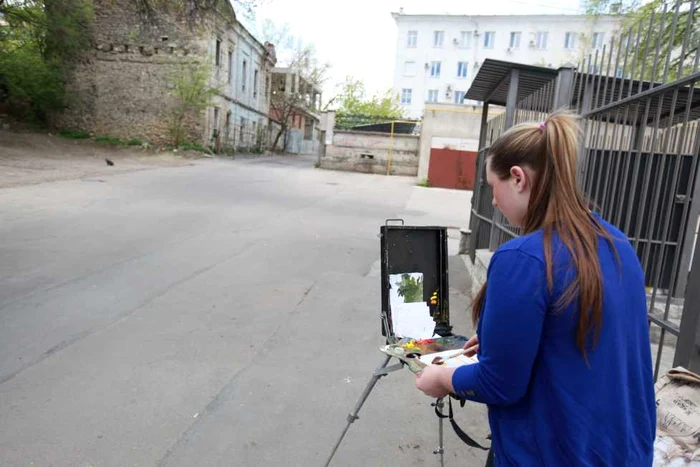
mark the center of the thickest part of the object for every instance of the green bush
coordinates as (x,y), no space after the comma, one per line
(111,140)
(134,142)
(33,85)
(74,134)
(38,39)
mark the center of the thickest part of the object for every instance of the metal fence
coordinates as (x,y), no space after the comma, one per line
(638,161)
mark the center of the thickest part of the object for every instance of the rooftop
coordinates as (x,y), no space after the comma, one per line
(492,82)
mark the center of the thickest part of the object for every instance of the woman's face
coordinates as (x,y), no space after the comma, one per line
(512,195)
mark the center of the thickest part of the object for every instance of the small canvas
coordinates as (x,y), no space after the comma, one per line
(406,288)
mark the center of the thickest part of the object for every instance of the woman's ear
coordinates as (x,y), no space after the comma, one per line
(519,177)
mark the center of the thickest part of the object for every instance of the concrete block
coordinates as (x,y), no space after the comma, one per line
(464,235)
(478,268)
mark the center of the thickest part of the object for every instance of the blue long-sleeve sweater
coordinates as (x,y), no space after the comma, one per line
(547,406)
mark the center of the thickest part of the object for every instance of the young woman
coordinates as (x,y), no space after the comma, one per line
(562,335)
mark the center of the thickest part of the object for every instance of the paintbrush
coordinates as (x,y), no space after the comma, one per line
(441,360)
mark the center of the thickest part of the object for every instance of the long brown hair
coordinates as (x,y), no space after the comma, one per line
(556,205)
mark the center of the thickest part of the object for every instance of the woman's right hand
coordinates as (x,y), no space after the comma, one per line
(472,346)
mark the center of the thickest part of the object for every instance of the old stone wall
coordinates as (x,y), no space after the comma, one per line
(121,86)
(369,152)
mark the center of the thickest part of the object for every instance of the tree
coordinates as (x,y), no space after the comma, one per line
(352,100)
(303,64)
(193,95)
(664,33)
(37,41)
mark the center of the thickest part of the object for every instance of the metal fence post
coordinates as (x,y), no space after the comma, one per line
(691,225)
(582,154)
(484,125)
(474,222)
(512,98)
(511,102)
(687,354)
(564,90)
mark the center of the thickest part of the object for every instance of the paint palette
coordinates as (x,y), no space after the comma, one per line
(410,351)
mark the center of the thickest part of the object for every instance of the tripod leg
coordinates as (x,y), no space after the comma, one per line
(441,448)
(378,373)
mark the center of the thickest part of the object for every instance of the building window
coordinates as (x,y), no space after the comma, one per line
(461,69)
(438,38)
(255,131)
(432,95)
(598,38)
(541,40)
(489,39)
(217,54)
(216,119)
(570,40)
(514,40)
(230,67)
(459,97)
(465,39)
(244,71)
(409,69)
(242,131)
(406,96)
(255,83)
(435,69)
(412,39)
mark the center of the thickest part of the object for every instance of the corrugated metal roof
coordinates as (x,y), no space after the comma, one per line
(610,89)
(493,79)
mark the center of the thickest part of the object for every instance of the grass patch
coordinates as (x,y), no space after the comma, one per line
(134,142)
(74,134)
(424,183)
(111,140)
(317,165)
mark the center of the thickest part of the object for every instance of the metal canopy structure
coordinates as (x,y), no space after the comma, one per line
(492,82)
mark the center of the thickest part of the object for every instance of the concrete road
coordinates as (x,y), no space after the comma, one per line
(224,313)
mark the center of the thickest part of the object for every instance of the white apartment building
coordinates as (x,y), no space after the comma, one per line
(438,56)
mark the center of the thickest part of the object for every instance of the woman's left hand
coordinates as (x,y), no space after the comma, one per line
(435,381)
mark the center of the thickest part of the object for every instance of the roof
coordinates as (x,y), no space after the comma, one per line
(615,91)
(493,80)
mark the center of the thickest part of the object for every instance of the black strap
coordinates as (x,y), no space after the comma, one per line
(460,433)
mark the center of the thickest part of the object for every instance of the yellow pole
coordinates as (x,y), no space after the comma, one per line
(391,147)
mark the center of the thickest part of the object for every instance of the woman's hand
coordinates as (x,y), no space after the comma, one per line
(435,381)
(472,346)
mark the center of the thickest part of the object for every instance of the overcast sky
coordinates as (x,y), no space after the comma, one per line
(358,38)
